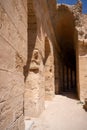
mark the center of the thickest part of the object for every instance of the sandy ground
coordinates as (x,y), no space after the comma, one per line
(63,113)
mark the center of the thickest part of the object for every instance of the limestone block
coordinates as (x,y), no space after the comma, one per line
(7,56)
(83,76)
(17,15)
(11,35)
(10,112)
(12,86)
(17,107)
(5,118)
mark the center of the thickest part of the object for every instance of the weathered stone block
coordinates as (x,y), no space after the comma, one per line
(10,34)
(17,15)
(7,57)
(12,86)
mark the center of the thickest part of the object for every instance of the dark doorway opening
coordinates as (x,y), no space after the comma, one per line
(67,40)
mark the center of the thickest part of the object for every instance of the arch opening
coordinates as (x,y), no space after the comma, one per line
(67,39)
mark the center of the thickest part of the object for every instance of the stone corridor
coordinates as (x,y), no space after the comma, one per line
(43,52)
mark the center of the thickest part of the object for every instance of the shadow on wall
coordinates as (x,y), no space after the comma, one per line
(32,34)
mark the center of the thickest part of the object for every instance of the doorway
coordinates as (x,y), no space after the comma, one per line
(67,38)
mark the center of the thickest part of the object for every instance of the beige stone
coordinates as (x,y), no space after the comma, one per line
(43,52)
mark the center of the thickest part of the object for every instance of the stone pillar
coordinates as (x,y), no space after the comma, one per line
(34,69)
(49,70)
(34,89)
(65,77)
(61,77)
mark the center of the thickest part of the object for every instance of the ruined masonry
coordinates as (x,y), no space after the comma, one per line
(43,52)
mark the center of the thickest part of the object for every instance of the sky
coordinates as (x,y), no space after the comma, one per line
(71,2)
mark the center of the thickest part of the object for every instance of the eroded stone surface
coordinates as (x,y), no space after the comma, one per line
(13,54)
(43,51)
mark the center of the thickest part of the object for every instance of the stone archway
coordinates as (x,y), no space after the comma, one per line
(67,39)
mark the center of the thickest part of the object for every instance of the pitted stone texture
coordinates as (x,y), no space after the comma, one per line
(25,56)
(13,55)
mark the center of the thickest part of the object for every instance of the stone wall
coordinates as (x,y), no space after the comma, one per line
(83,69)
(82,52)
(32,64)
(13,55)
